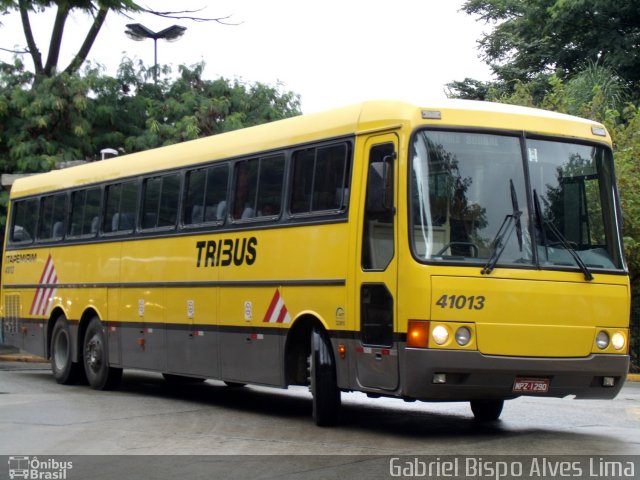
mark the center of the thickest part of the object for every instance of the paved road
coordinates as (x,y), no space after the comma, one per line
(147,416)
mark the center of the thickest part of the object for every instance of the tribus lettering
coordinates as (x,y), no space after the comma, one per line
(224,252)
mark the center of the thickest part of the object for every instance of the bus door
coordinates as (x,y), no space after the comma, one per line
(376,274)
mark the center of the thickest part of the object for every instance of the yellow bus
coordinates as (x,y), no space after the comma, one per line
(465,251)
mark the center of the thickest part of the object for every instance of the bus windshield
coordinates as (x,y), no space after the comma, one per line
(469,202)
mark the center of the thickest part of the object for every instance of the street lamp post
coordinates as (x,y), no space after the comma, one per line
(138,32)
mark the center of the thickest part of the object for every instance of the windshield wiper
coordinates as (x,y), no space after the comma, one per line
(563,241)
(504,232)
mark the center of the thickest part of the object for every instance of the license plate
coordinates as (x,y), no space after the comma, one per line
(531,385)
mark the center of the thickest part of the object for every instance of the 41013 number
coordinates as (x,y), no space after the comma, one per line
(460,302)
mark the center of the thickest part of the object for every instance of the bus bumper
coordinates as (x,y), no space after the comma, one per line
(472,375)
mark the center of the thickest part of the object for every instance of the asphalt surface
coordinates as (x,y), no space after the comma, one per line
(151,429)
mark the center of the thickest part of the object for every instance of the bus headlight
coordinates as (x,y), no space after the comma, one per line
(463,336)
(440,334)
(618,340)
(602,340)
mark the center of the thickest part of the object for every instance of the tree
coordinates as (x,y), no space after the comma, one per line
(469,89)
(41,124)
(533,39)
(624,127)
(98,9)
(74,116)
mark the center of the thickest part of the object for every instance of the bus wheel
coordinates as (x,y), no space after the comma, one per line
(323,384)
(96,358)
(486,410)
(65,371)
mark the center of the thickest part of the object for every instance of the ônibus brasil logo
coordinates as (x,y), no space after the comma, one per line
(34,469)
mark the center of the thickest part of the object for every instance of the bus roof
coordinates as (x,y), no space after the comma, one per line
(351,120)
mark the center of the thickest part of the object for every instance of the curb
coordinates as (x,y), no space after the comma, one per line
(16,357)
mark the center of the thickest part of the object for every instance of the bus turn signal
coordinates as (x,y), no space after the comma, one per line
(418,334)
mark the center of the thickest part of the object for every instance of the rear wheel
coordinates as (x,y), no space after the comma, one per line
(486,410)
(323,382)
(96,358)
(65,371)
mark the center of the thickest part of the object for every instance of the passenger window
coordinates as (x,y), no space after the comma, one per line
(52,216)
(24,221)
(376,304)
(85,213)
(258,188)
(320,180)
(122,200)
(379,216)
(160,202)
(206,199)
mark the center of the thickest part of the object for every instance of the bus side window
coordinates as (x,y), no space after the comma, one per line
(52,217)
(24,221)
(320,179)
(206,196)
(378,232)
(269,194)
(121,207)
(85,213)
(160,201)
(258,188)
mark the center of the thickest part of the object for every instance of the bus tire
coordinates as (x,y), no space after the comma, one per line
(65,371)
(323,383)
(486,410)
(95,353)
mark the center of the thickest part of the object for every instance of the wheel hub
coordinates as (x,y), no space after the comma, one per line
(94,354)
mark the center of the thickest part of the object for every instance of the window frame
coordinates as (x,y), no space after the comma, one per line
(159,202)
(207,169)
(276,191)
(254,217)
(53,222)
(105,209)
(85,191)
(14,211)
(346,180)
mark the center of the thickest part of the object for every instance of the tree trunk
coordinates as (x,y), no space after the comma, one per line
(56,39)
(31,43)
(82,54)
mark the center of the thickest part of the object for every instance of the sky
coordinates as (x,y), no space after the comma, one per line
(331,52)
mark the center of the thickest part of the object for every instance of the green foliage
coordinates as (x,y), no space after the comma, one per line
(469,89)
(74,116)
(597,87)
(43,124)
(535,40)
(533,37)
(625,130)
